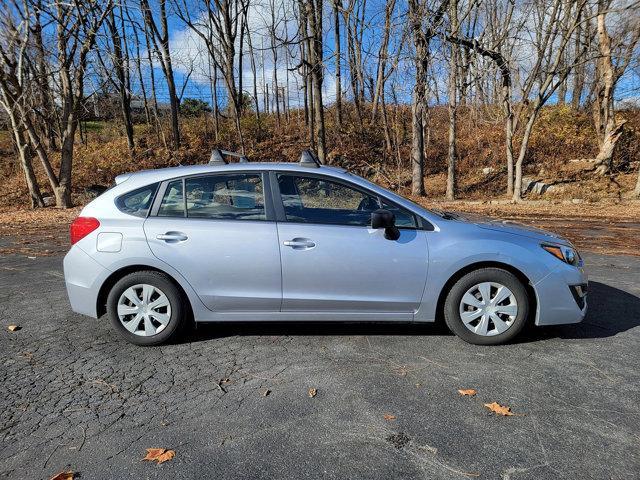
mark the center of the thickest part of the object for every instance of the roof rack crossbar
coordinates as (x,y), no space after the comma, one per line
(309,159)
(217,157)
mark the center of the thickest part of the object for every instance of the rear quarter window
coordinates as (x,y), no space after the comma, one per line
(137,202)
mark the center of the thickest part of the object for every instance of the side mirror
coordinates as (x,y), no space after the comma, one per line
(385,219)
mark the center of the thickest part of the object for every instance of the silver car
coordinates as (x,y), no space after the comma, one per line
(303,241)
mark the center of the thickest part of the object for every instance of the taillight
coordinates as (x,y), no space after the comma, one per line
(81,227)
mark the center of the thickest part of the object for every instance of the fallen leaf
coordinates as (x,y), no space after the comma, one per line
(63,476)
(388,416)
(13,328)
(266,392)
(159,455)
(313,392)
(498,409)
(470,392)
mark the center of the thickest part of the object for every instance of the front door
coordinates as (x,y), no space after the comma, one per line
(219,238)
(332,261)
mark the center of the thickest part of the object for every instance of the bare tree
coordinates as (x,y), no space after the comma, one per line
(77,26)
(383,55)
(218,24)
(160,41)
(119,61)
(424,22)
(313,16)
(453,102)
(614,55)
(337,5)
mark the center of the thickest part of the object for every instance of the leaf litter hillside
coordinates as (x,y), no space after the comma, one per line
(581,204)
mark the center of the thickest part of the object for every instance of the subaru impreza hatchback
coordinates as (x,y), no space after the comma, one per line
(307,242)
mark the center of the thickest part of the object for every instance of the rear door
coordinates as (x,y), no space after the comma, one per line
(332,261)
(219,232)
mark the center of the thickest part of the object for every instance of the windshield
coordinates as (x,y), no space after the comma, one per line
(439,213)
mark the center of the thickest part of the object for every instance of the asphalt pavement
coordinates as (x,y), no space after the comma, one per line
(233,400)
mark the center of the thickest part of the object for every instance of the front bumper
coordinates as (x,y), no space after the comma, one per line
(83,277)
(561,296)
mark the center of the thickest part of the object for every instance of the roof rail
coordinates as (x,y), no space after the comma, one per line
(217,157)
(309,159)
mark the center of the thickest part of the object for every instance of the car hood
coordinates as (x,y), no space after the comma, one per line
(509,226)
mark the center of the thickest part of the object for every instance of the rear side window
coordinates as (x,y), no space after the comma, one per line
(226,197)
(137,202)
(173,201)
(218,197)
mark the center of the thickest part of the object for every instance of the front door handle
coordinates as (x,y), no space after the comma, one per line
(299,243)
(172,237)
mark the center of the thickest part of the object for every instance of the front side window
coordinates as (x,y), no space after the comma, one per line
(404,218)
(137,202)
(316,200)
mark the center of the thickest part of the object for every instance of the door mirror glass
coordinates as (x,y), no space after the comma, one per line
(382,218)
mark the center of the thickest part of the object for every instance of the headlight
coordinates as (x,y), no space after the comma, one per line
(566,254)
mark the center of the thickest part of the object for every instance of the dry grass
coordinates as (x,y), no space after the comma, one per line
(560,140)
(606,227)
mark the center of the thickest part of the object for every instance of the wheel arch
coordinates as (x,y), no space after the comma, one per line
(531,292)
(113,278)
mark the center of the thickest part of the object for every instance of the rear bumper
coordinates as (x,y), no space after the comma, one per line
(561,296)
(83,277)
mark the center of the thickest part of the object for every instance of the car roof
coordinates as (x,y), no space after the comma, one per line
(161,174)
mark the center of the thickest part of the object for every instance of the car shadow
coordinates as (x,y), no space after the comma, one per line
(207,331)
(611,311)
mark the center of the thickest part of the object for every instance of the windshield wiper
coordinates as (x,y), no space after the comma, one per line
(445,215)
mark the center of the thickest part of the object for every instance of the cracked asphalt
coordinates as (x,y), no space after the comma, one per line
(74,396)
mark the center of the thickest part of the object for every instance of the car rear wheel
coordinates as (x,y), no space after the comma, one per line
(146,308)
(488,306)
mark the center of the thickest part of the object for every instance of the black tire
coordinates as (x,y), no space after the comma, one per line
(454,297)
(166,285)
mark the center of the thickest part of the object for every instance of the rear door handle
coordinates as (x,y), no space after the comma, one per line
(299,243)
(172,237)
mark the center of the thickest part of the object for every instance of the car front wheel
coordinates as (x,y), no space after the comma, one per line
(146,308)
(488,306)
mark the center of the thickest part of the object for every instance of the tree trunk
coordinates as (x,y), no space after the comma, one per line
(382,58)
(125,95)
(22,145)
(62,192)
(165,61)
(517,186)
(417,139)
(254,73)
(314,16)
(578,73)
(421,38)
(453,97)
(336,27)
(603,110)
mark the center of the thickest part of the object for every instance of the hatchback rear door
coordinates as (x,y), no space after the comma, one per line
(218,231)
